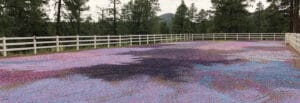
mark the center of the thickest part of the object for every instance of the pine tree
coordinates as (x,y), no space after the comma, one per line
(114,12)
(202,21)
(58,17)
(75,8)
(164,29)
(26,18)
(181,21)
(277,20)
(259,18)
(230,15)
(143,12)
(192,15)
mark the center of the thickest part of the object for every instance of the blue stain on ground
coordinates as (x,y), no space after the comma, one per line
(272,74)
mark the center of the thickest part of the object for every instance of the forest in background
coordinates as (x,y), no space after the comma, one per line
(29,17)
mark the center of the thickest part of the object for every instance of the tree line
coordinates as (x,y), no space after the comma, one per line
(31,17)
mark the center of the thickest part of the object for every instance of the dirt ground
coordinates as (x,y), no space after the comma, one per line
(183,72)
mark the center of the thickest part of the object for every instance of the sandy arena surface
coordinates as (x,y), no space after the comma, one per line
(183,72)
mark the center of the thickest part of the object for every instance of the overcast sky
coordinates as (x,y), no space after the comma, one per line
(166,6)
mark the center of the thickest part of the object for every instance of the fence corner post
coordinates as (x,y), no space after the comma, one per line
(4,46)
(286,38)
(34,45)
(57,43)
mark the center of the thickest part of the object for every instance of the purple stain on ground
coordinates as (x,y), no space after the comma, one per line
(184,72)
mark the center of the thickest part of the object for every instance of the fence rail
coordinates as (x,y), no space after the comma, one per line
(58,43)
(293,39)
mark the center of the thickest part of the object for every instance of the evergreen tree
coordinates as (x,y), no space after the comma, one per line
(164,29)
(114,12)
(277,20)
(230,15)
(144,12)
(75,8)
(58,17)
(202,21)
(26,18)
(181,23)
(126,20)
(192,15)
(260,19)
(4,19)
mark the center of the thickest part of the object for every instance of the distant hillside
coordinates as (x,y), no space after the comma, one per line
(167,18)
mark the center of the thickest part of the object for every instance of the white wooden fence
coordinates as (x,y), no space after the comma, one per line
(293,39)
(13,44)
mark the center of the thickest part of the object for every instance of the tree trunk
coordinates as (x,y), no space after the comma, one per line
(58,18)
(78,22)
(115,17)
(296,16)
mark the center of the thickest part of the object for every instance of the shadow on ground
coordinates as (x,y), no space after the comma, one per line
(164,64)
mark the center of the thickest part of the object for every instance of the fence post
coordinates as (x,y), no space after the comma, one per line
(95,41)
(140,39)
(286,38)
(130,40)
(192,37)
(225,36)
(34,45)
(274,36)
(4,47)
(77,42)
(237,36)
(147,38)
(57,43)
(120,40)
(108,41)
(161,38)
(154,37)
(249,36)
(202,36)
(213,36)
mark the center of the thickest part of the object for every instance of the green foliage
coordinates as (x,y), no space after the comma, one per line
(164,29)
(75,8)
(143,12)
(181,22)
(230,15)
(23,18)
(28,18)
(202,22)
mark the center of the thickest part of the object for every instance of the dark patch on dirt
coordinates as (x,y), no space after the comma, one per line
(167,64)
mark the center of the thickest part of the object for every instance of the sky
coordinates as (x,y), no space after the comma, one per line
(166,6)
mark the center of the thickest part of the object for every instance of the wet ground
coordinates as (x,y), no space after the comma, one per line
(185,72)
